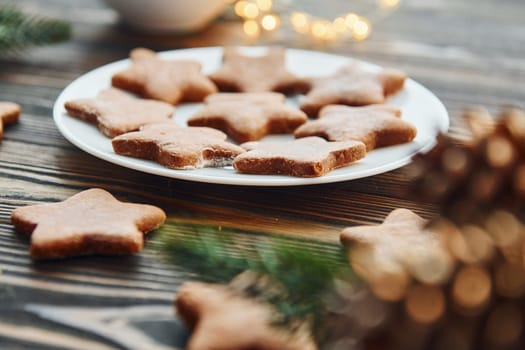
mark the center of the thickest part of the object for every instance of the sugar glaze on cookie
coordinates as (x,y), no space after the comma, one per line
(352,85)
(307,157)
(375,125)
(178,147)
(248,116)
(171,81)
(260,73)
(90,222)
(116,112)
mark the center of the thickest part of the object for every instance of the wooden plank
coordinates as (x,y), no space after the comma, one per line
(466,54)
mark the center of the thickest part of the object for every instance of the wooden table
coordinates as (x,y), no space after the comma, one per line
(466,53)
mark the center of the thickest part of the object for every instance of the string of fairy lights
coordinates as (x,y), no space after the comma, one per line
(262,16)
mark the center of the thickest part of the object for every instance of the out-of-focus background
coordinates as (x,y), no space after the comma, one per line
(466,52)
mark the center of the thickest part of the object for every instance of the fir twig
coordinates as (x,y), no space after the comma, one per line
(304,276)
(19,30)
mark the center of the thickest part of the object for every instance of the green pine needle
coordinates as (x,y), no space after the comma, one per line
(305,275)
(19,30)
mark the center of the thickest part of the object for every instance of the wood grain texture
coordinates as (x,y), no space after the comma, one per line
(467,55)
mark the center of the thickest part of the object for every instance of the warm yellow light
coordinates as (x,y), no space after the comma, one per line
(319,29)
(239,8)
(339,25)
(250,10)
(300,22)
(350,20)
(270,22)
(251,28)
(264,5)
(330,34)
(389,3)
(361,29)
(257,15)
(323,30)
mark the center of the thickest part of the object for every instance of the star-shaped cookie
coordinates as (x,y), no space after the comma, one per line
(178,147)
(352,85)
(223,320)
(248,116)
(248,73)
(9,114)
(169,81)
(115,112)
(90,222)
(375,125)
(307,157)
(399,248)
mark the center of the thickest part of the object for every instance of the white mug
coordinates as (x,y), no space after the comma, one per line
(168,15)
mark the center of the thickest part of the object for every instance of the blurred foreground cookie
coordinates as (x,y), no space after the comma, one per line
(90,222)
(169,81)
(115,112)
(354,86)
(223,320)
(389,254)
(375,126)
(9,114)
(178,147)
(307,157)
(248,116)
(248,73)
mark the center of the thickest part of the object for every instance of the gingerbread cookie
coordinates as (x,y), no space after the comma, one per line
(267,72)
(169,81)
(354,86)
(115,112)
(90,222)
(224,320)
(307,157)
(248,116)
(386,255)
(178,147)
(375,126)
(9,114)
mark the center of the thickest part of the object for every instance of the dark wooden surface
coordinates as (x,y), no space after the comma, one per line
(467,52)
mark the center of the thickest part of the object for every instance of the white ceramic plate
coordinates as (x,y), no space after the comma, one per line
(418,104)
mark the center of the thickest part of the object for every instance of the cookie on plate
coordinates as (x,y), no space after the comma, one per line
(178,147)
(352,85)
(9,114)
(306,157)
(375,125)
(90,222)
(115,112)
(248,116)
(221,319)
(171,81)
(257,73)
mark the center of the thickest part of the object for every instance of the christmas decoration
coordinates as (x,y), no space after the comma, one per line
(19,30)
(455,281)
(303,286)
(263,16)
(470,180)
(477,185)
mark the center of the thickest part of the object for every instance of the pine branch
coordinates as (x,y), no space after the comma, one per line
(300,277)
(19,31)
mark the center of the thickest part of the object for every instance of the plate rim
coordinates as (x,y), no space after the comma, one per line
(245,179)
